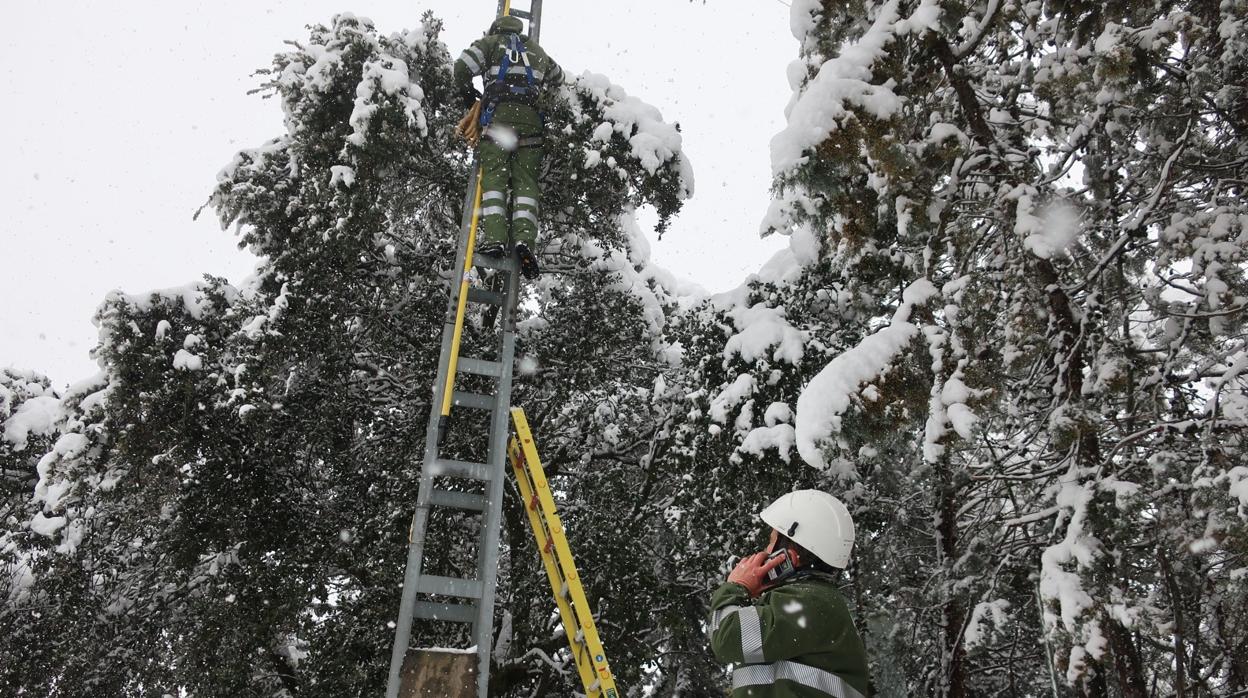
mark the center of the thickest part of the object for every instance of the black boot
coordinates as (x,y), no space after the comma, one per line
(528,262)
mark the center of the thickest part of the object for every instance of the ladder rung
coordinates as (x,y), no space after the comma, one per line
(449,586)
(473,400)
(480,295)
(522,14)
(480,367)
(458,468)
(452,612)
(507,263)
(457,500)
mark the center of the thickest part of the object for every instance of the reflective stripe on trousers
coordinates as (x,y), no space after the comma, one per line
(526,201)
(801,674)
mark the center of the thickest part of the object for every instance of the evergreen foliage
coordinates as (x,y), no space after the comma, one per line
(224,510)
(1008,331)
(1046,464)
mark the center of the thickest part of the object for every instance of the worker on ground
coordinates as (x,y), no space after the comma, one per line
(516,73)
(780,620)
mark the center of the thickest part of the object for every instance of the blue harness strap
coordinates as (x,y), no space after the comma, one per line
(514,44)
(528,69)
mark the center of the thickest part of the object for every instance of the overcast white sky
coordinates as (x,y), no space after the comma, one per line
(117,116)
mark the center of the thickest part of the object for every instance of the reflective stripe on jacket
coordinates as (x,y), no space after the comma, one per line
(485,56)
(795,641)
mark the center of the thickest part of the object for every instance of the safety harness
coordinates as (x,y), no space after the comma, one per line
(500,91)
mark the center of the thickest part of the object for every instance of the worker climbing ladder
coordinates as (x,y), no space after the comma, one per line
(565,583)
(433,597)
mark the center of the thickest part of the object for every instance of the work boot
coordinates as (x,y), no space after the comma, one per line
(491,249)
(528,262)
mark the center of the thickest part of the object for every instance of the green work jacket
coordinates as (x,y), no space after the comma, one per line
(797,640)
(484,58)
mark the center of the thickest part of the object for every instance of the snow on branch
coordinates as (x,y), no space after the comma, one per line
(829,395)
(843,84)
(759,328)
(654,143)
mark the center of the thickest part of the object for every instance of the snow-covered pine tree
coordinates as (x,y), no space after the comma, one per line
(1017,245)
(229,511)
(30,415)
(47,616)
(29,408)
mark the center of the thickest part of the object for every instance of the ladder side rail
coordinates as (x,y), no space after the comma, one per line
(459,295)
(535,21)
(472,202)
(566,613)
(563,552)
(455,300)
(583,615)
(407,603)
(416,533)
(487,555)
(534,13)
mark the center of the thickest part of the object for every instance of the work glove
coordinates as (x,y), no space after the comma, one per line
(469,127)
(751,572)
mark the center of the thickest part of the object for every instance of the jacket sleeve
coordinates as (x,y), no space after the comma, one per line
(782,624)
(471,63)
(554,76)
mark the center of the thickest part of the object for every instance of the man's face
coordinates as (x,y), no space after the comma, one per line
(772,539)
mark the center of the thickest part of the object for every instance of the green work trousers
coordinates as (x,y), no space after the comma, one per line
(510,165)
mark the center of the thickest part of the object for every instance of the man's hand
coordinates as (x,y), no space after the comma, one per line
(751,572)
(469,127)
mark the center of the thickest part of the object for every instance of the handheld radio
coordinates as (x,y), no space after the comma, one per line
(782,571)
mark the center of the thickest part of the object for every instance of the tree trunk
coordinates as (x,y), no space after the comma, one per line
(953,616)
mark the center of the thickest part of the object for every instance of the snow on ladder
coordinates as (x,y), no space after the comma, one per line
(454,599)
(574,611)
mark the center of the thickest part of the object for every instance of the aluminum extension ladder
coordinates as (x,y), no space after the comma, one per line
(475,596)
(565,583)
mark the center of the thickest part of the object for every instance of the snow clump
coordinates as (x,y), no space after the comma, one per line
(652,141)
(842,83)
(36,416)
(829,395)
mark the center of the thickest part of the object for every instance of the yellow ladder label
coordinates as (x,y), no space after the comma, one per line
(578,620)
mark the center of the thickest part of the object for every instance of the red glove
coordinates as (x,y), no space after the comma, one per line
(751,572)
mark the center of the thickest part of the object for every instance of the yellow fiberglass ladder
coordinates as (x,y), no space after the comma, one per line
(578,620)
(456,478)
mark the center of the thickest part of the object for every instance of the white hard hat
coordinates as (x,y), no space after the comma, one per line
(816,521)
